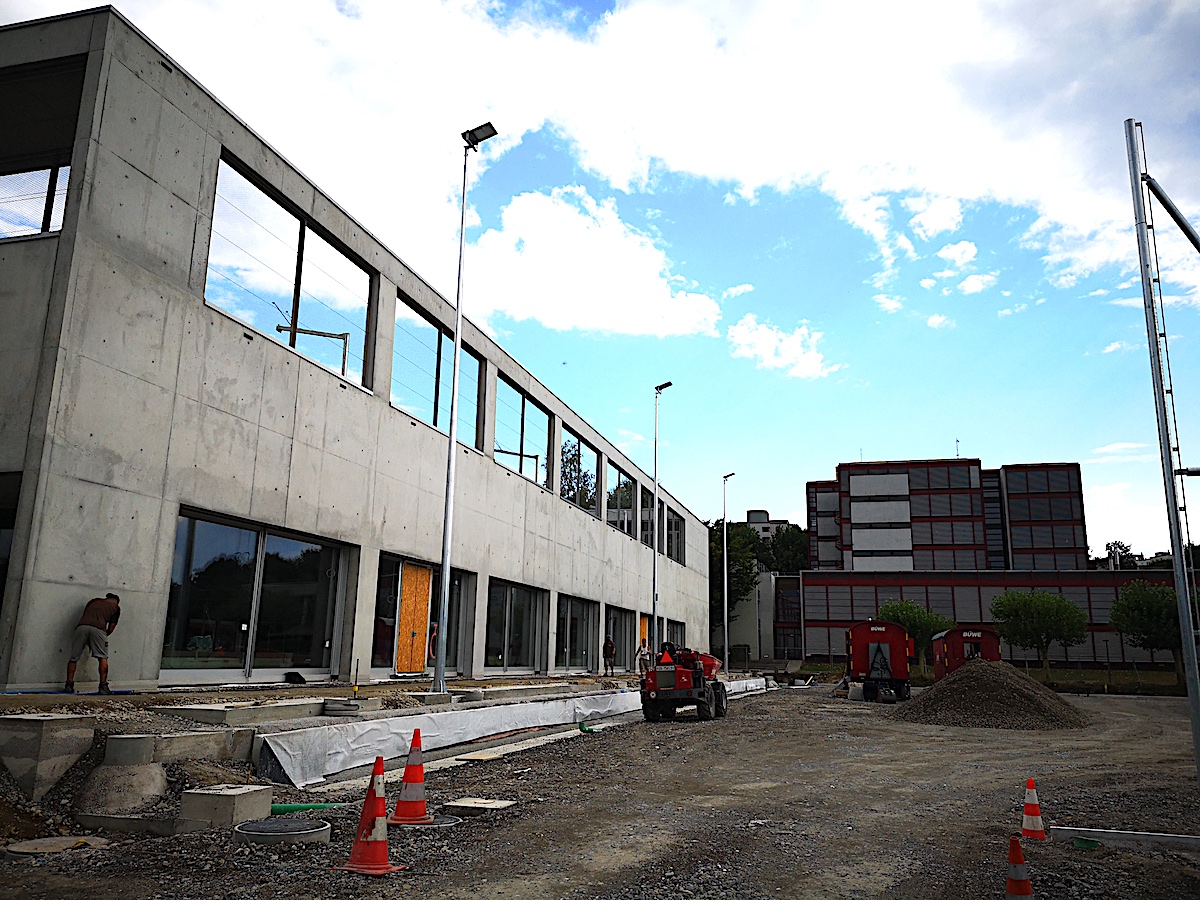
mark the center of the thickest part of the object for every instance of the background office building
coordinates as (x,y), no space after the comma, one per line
(226,401)
(951,536)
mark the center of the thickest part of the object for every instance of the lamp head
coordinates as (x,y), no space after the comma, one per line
(662,387)
(477,136)
(730,475)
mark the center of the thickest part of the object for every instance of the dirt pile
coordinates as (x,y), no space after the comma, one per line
(991,695)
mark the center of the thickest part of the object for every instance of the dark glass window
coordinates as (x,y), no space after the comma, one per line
(622,497)
(514,627)
(579,473)
(522,434)
(675,536)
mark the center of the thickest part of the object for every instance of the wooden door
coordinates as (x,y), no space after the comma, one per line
(412,624)
(644,629)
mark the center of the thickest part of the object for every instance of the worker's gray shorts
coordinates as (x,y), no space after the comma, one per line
(91,637)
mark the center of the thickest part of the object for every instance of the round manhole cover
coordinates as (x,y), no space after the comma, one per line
(283,831)
(45,846)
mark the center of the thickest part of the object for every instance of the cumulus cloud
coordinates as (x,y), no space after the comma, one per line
(569,261)
(889,304)
(736,291)
(773,348)
(1115,346)
(933,215)
(937,320)
(973,284)
(1013,310)
(927,283)
(958,254)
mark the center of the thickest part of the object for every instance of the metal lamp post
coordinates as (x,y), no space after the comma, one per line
(658,389)
(725,561)
(471,141)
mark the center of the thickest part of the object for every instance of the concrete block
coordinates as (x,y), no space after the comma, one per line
(129,750)
(475,806)
(38,749)
(221,744)
(227,804)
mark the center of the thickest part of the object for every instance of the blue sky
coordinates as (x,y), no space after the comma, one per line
(838,233)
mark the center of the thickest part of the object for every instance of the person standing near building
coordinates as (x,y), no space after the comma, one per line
(98,621)
(643,658)
(610,655)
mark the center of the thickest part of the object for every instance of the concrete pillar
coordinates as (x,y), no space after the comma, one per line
(381,339)
(488,409)
(359,621)
(553,463)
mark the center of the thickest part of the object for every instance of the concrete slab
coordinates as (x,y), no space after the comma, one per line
(480,755)
(510,692)
(229,743)
(1112,838)
(476,806)
(38,749)
(254,713)
(227,804)
(51,845)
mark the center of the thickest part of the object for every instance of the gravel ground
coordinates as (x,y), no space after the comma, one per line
(793,795)
(985,694)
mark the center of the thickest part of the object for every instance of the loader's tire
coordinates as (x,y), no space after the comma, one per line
(706,707)
(668,712)
(722,697)
(870,692)
(651,710)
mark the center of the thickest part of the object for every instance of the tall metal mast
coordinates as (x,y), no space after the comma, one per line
(1168,443)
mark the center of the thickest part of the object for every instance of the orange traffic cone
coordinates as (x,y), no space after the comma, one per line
(369,855)
(411,808)
(1031,822)
(1017,886)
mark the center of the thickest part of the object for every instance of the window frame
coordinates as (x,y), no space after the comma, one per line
(594,509)
(520,452)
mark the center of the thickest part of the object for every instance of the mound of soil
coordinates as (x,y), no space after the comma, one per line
(985,694)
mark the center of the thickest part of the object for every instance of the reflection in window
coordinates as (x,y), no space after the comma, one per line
(269,268)
(622,625)
(33,202)
(214,601)
(423,374)
(675,536)
(621,499)
(514,630)
(644,509)
(676,633)
(580,469)
(577,640)
(522,433)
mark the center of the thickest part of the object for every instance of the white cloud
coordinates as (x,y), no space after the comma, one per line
(1099,292)
(958,254)
(889,304)
(937,320)
(1119,447)
(569,261)
(1013,310)
(973,284)
(773,348)
(906,246)
(736,291)
(1126,511)
(1007,103)
(927,283)
(1130,302)
(1003,313)
(933,215)
(1115,346)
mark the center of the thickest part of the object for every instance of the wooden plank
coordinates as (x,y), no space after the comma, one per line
(412,623)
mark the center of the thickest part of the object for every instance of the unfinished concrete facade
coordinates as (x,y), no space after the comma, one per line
(266,494)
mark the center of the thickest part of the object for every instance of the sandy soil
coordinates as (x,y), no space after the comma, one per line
(793,795)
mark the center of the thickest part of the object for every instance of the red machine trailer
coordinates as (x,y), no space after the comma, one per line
(682,677)
(877,654)
(954,647)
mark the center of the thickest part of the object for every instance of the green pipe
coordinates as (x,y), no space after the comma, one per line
(279,809)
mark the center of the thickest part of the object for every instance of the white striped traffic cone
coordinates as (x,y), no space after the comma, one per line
(369,855)
(1017,886)
(1031,821)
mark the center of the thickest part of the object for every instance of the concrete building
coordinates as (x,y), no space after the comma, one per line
(949,535)
(228,402)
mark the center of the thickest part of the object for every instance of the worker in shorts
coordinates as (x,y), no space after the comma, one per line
(643,658)
(98,621)
(610,655)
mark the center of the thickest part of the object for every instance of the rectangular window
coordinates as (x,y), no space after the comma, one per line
(646,522)
(579,472)
(269,267)
(423,375)
(522,434)
(577,643)
(676,633)
(33,202)
(244,598)
(622,625)
(514,632)
(621,500)
(675,536)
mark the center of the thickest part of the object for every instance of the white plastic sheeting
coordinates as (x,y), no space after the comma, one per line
(309,755)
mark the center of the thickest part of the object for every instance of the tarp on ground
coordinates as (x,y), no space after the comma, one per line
(309,755)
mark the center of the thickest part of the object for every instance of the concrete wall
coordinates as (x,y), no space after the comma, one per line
(156,400)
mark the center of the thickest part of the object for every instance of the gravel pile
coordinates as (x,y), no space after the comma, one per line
(985,694)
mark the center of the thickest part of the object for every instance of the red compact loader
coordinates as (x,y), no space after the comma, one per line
(682,677)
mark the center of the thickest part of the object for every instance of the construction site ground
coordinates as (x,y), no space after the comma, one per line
(795,794)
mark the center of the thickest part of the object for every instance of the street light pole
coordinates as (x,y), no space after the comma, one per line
(471,141)
(725,560)
(654,528)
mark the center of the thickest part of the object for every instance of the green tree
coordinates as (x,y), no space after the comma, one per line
(786,552)
(1036,619)
(745,548)
(1147,615)
(920,623)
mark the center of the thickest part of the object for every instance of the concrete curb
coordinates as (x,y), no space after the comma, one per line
(1113,838)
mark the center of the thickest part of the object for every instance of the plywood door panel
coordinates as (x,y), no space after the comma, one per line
(644,628)
(413,621)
